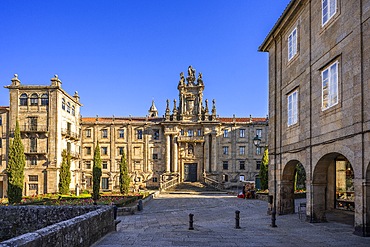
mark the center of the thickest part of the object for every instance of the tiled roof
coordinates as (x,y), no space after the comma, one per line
(241,120)
(120,119)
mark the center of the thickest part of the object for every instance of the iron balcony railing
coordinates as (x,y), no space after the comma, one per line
(33,128)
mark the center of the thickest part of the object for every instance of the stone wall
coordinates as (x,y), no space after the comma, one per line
(54,226)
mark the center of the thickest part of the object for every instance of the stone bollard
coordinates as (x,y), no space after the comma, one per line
(115,209)
(273,217)
(191,221)
(237,219)
(140,205)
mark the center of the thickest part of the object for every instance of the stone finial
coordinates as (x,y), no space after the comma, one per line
(55,81)
(76,96)
(15,80)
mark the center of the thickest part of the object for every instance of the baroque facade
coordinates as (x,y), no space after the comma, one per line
(319,87)
(188,143)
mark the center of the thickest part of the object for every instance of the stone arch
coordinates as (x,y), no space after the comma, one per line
(286,202)
(324,183)
(365,231)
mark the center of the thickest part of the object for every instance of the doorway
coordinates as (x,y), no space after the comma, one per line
(190,172)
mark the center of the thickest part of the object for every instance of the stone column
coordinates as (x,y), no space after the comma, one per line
(214,152)
(175,156)
(206,153)
(168,153)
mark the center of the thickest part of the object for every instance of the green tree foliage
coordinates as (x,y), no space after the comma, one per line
(300,177)
(124,178)
(15,170)
(65,173)
(264,170)
(96,172)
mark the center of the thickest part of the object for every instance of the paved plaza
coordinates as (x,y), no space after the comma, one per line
(165,222)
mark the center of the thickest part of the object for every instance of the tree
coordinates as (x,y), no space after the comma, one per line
(65,173)
(300,177)
(124,178)
(264,170)
(96,172)
(15,170)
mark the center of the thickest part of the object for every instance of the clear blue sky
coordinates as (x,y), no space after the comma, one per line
(119,55)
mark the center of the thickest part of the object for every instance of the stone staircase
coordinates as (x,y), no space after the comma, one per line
(192,187)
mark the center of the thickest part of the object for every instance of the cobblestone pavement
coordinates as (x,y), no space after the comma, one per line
(165,222)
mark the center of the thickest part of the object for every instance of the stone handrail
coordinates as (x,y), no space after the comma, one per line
(213,183)
(168,184)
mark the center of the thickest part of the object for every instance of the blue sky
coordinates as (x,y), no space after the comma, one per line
(120,55)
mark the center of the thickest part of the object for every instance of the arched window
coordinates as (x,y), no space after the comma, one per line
(63,104)
(45,99)
(34,99)
(73,110)
(23,100)
(68,107)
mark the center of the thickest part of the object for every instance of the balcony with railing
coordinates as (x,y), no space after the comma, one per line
(190,139)
(33,128)
(35,151)
(70,134)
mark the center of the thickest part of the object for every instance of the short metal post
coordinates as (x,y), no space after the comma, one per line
(273,217)
(191,221)
(237,219)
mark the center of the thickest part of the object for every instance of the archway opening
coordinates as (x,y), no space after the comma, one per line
(293,185)
(333,190)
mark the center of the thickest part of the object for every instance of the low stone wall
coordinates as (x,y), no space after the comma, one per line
(55,226)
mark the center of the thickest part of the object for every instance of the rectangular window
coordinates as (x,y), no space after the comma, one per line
(154,179)
(33,178)
(33,123)
(242,133)
(259,133)
(242,150)
(88,150)
(88,133)
(226,133)
(156,134)
(155,156)
(329,8)
(137,165)
(199,132)
(292,44)
(190,133)
(258,150)
(225,165)
(120,150)
(139,134)
(121,133)
(329,78)
(33,187)
(1,120)
(225,150)
(88,165)
(33,145)
(242,165)
(104,183)
(258,165)
(241,178)
(89,182)
(104,150)
(1,143)
(182,132)
(105,164)
(293,108)
(33,160)
(104,133)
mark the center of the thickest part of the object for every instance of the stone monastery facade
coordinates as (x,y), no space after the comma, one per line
(188,143)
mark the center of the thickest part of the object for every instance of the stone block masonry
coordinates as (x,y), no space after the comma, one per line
(55,226)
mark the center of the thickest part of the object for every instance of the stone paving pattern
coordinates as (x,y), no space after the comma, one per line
(165,222)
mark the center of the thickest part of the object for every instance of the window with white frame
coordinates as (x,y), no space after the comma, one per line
(242,150)
(259,133)
(242,133)
(104,183)
(258,151)
(226,133)
(121,133)
(104,133)
(88,133)
(292,44)
(329,8)
(329,78)
(225,150)
(293,108)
